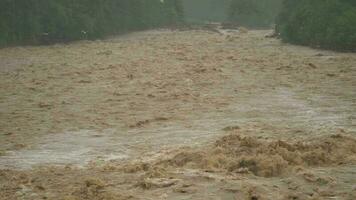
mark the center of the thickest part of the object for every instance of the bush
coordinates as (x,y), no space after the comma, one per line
(254,13)
(48,21)
(327,24)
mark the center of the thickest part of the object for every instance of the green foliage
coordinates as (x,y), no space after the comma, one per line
(48,21)
(320,23)
(254,13)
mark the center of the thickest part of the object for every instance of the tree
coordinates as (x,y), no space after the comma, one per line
(319,23)
(48,21)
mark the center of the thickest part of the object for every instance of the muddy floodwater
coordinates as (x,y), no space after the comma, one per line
(177,114)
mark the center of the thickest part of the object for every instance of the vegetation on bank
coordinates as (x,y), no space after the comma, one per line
(48,21)
(327,24)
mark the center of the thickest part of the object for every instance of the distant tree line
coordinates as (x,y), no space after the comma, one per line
(201,11)
(254,13)
(320,23)
(48,21)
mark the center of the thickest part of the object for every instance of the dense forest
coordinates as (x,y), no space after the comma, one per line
(319,23)
(48,21)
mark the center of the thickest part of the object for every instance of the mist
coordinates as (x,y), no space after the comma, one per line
(199,11)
